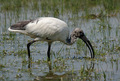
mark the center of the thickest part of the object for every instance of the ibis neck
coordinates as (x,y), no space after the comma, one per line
(70,40)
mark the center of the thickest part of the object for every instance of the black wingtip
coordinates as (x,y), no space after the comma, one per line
(20,25)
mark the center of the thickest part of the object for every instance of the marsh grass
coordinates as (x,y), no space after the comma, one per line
(13,5)
(57,8)
(103,34)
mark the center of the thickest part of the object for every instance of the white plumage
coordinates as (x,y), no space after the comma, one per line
(46,27)
(49,29)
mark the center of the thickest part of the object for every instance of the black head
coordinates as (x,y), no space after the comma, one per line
(78,33)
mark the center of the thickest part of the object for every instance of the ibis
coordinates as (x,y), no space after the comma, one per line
(49,29)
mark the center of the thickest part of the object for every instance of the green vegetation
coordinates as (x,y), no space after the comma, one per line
(99,20)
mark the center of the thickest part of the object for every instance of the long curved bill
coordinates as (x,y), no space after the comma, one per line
(87,42)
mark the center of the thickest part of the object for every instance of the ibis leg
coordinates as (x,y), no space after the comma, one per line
(48,52)
(28,47)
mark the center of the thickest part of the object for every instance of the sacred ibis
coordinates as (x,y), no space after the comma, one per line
(49,29)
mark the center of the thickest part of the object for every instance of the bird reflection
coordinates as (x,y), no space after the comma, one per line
(64,76)
(50,76)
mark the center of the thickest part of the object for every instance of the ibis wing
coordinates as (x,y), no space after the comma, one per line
(20,25)
(47,27)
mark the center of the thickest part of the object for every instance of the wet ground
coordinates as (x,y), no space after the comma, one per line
(98,19)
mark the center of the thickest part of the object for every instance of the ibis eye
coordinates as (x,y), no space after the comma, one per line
(81,34)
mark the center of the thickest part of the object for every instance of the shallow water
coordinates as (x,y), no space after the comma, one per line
(98,19)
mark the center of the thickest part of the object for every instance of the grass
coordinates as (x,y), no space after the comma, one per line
(13,5)
(84,5)
(77,13)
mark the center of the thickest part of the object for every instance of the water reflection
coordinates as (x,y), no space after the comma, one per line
(68,75)
(98,18)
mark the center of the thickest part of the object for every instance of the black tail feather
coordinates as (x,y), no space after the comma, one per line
(20,25)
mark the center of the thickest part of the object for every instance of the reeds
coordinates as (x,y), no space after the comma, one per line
(99,19)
